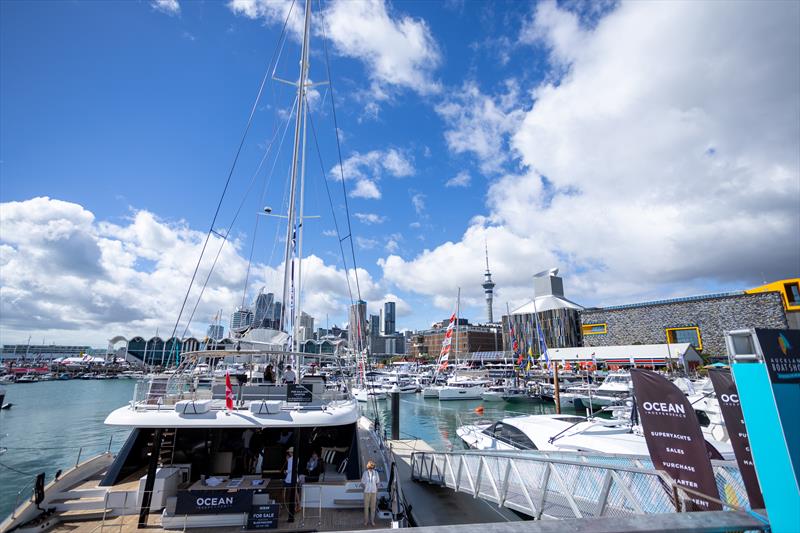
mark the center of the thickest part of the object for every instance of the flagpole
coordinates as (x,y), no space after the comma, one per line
(543,342)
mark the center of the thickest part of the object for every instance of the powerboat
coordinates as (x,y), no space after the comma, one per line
(463,389)
(568,433)
(28,378)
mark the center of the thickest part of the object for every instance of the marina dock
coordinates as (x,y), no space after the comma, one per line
(432,505)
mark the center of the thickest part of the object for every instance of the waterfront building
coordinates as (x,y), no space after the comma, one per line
(558,317)
(44,351)
(699,320)
(157,351)
(637,355)
(466,339)
(215,331)
(241,319)
(384,346)
(388,322)
(357,327)
(789,290)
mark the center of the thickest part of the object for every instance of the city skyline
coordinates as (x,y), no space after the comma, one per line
(544,130)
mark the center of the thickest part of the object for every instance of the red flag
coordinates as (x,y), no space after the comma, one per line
(228,392)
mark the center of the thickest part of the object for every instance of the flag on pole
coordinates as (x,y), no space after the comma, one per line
(444,354)
(228,392)
(542,344)
(514,343)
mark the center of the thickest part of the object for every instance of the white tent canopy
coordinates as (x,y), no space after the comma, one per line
(546,302)
(632,354)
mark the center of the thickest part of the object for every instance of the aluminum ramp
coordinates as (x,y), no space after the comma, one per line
(557,485)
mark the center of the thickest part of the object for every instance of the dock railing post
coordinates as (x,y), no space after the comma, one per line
(395,394)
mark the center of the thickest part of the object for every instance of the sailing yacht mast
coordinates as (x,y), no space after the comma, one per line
(297,152)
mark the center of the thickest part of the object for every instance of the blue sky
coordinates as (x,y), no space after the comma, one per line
(589,136)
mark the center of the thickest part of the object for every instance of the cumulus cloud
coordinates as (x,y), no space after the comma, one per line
(73,278)
(479,124)
(398,50)
(169,7)
(660,157)
(368,169)
(462,179)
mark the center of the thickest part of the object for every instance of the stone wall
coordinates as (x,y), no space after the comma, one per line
(646,324)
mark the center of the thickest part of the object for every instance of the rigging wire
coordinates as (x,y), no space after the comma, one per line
(344,193)
(230,173)
(263,194)
(230,227)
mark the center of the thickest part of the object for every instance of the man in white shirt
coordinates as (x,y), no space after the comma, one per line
(289,497)
(289,376)
(369,480)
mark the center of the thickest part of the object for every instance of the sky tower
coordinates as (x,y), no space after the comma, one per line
(488,289)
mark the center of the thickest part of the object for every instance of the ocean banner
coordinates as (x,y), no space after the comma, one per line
(674,438)
(728,399)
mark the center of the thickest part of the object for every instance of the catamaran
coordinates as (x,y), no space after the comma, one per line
(234,455)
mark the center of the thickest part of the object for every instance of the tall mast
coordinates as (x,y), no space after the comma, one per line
(291,218)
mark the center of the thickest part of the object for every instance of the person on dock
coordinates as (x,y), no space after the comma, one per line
(369,480)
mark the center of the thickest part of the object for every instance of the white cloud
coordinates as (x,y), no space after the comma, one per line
(462,179)
(479,124)
(398,50)
(74,279)
(370,218)
(641,178)
(392,245)
(366,189)
(329,233)
(368,169)
(418,201)
(170,7)
(365,243)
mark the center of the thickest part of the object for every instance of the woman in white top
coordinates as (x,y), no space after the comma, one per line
(369,480)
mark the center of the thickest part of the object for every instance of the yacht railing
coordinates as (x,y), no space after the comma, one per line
(159,392)
(549,485)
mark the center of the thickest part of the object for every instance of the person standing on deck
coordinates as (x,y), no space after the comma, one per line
(289,496)
(289,376)
(369,480)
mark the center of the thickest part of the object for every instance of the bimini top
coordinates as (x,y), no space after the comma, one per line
(255,414)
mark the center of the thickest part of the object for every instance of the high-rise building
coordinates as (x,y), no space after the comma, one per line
(488,289)
(357,328)
(216,332)
(374,325)
(389,318)
(241,318)
(305,329)
(262,306)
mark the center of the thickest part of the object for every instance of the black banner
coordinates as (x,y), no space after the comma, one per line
(263,516)
(213,501)
(728,399)
(298,393)
(781,349)
(674,438)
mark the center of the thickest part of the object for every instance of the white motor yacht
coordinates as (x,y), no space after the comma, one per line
(463,389)
(563,433)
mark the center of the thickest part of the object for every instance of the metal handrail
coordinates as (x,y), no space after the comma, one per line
(539,485)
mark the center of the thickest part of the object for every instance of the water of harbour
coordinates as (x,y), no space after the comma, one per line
(51,421)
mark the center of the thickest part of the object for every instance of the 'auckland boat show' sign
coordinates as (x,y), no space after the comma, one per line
(674,438)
